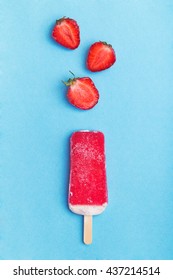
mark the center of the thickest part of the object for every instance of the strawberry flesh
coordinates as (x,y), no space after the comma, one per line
(82,93)
(66,32)
(100,57)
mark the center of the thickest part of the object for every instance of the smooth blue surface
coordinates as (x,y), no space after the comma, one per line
(135,112)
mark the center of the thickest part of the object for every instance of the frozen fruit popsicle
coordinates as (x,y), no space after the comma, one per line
(87,187)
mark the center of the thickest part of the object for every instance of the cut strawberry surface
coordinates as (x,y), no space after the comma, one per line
(82,93)
(66,32)
(100,56)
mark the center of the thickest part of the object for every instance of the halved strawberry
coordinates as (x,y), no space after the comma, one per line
(66,32)
(82,93)
(100,56)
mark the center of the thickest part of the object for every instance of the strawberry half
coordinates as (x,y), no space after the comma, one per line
(66,32)
(82,93)
(100,56)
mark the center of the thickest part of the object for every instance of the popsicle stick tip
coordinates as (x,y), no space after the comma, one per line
(87,242)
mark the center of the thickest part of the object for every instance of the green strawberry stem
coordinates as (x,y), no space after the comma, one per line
(70,81)
(105,43)
(72,73)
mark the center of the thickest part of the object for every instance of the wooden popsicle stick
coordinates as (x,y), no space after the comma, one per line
(87,235)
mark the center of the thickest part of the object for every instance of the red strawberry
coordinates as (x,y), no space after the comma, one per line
(100,57)
(82,93)
(66,32)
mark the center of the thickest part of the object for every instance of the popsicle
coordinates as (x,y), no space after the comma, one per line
(88,194)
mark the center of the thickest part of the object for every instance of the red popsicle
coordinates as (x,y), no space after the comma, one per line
(87,187)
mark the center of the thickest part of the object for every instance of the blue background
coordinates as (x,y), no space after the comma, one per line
(135,112)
